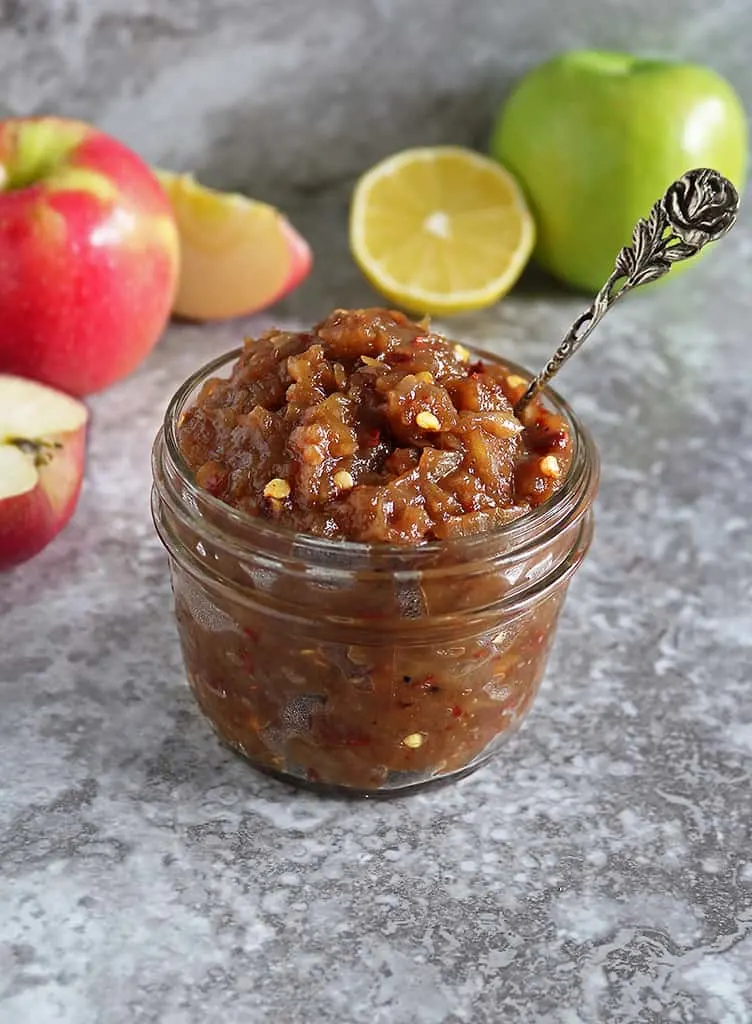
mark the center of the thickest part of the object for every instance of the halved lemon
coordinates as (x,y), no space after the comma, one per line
(237,255)
(440,229)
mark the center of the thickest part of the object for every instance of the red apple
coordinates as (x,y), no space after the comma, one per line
(88,255)
(42,442)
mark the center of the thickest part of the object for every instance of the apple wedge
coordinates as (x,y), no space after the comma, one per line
(42,450)
(237,256)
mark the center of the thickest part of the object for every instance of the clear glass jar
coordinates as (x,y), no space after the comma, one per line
(364,668)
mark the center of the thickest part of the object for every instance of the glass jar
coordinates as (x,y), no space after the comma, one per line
(369,669)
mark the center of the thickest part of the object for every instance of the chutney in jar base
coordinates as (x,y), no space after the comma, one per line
(365,714)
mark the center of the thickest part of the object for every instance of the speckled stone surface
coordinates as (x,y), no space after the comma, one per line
(599,871)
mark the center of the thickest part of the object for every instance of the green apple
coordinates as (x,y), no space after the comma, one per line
(595,138)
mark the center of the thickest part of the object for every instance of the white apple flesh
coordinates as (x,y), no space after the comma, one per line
(42,451)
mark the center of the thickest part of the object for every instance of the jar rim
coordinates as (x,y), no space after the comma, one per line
(532,527)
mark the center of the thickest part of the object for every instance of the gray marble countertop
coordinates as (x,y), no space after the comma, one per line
(599,870)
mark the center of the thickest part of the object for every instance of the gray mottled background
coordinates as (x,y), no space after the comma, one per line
(600,872)
(290,99)
(277,95)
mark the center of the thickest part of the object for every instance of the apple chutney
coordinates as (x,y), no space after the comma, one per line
(369,550)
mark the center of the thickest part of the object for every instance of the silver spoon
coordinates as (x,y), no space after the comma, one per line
(698,208)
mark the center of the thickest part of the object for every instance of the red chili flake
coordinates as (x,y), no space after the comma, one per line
(372,438)
(312,775)
(428,685)
(331,735)
(476,368)
(457,711)
(250,633)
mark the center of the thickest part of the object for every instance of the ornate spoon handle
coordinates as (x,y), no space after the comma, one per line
(698,208)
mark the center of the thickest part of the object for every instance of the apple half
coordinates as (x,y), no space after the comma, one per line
(42,452)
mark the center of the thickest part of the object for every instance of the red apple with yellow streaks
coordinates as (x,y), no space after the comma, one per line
(88,255)
(42,451)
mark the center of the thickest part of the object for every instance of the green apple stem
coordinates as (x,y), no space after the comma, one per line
(698,208)
(35,148)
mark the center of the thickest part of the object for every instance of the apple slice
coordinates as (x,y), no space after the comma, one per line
(42,449)
(237,256)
